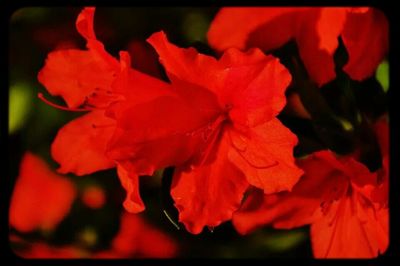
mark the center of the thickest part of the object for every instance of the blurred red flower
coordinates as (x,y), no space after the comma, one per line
(336,197)
(136,238)
(41,199)
(94,197)
(217,124)
(364,32)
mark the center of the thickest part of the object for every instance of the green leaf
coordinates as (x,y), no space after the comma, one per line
(382,75)
(20,105)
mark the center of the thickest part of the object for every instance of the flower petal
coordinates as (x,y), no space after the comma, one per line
(366,38)
(351,229)
(265,155)
(41,198)
(163,132)
(187,64)
(256,91)
(207,195)
(76,74)
(130,182)
(80,145)
(291,209)
(266,28)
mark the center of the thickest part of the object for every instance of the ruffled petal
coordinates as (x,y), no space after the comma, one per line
(80,145)
(207,195)
(187,64)
(265,155)
(76,74)
(256,92)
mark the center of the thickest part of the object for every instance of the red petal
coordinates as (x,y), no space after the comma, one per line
(188,64)
(228,29)
(80,145)
(265,155)
(130,182)
(136,238)
(41,198)
(317,44)
(296,208)
(250,83)
(84,23)
(174,124)
(366,38)
(351,229)
(207,195)
(255,91)
(74,75)
(315,30)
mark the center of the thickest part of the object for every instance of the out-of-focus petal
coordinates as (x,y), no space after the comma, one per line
(233,27)
(366,37)
(41,199)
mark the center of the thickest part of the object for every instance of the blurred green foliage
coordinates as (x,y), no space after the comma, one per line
(382,75)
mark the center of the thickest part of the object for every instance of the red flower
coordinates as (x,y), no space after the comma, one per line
(137,238)
(40,250)
(94,197)
(364,32)
(41,198)
(94,80)
(217,125)
(82,77)
(334,196)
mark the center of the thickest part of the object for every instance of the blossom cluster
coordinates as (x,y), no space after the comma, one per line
(216,121)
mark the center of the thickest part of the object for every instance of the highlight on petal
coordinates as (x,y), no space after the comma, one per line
(256,92)
(366,37)
(207,195)
(265,155)
(130,182)
(41,199)
(80,145)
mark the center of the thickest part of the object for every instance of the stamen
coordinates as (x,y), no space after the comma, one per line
(41,97)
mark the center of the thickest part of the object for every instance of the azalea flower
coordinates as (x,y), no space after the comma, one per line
(92,80)
(364,32)
(338,196)
(217,124)
(41,199)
